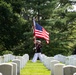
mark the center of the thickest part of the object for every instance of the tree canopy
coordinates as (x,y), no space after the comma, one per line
(16,34)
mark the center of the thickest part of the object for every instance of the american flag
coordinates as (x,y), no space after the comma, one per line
(40,32)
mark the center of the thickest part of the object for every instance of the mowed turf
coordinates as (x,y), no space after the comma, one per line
(35,69)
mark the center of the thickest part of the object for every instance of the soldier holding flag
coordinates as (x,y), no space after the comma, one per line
(39,32)
(37,50)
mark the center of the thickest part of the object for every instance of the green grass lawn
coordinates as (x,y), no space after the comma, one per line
(35,69)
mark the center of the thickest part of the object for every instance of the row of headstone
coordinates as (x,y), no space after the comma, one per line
(14,67)
(23,59)
(62,69)
(6,69)
(60,58)
(6,58)
(60,65)
(68,60)
(46,61)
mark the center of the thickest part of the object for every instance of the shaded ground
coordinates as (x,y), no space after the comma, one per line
(35,69)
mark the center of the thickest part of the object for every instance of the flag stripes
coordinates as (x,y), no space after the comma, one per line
(40,32)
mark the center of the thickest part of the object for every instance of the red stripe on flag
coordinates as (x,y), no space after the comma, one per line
(42,34)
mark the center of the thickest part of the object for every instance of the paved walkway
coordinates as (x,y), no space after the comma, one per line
(35,69)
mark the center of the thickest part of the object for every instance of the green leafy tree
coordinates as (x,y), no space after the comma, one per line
(41,10)
(11,27)
(62,29)
(16,26)
(55,18)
